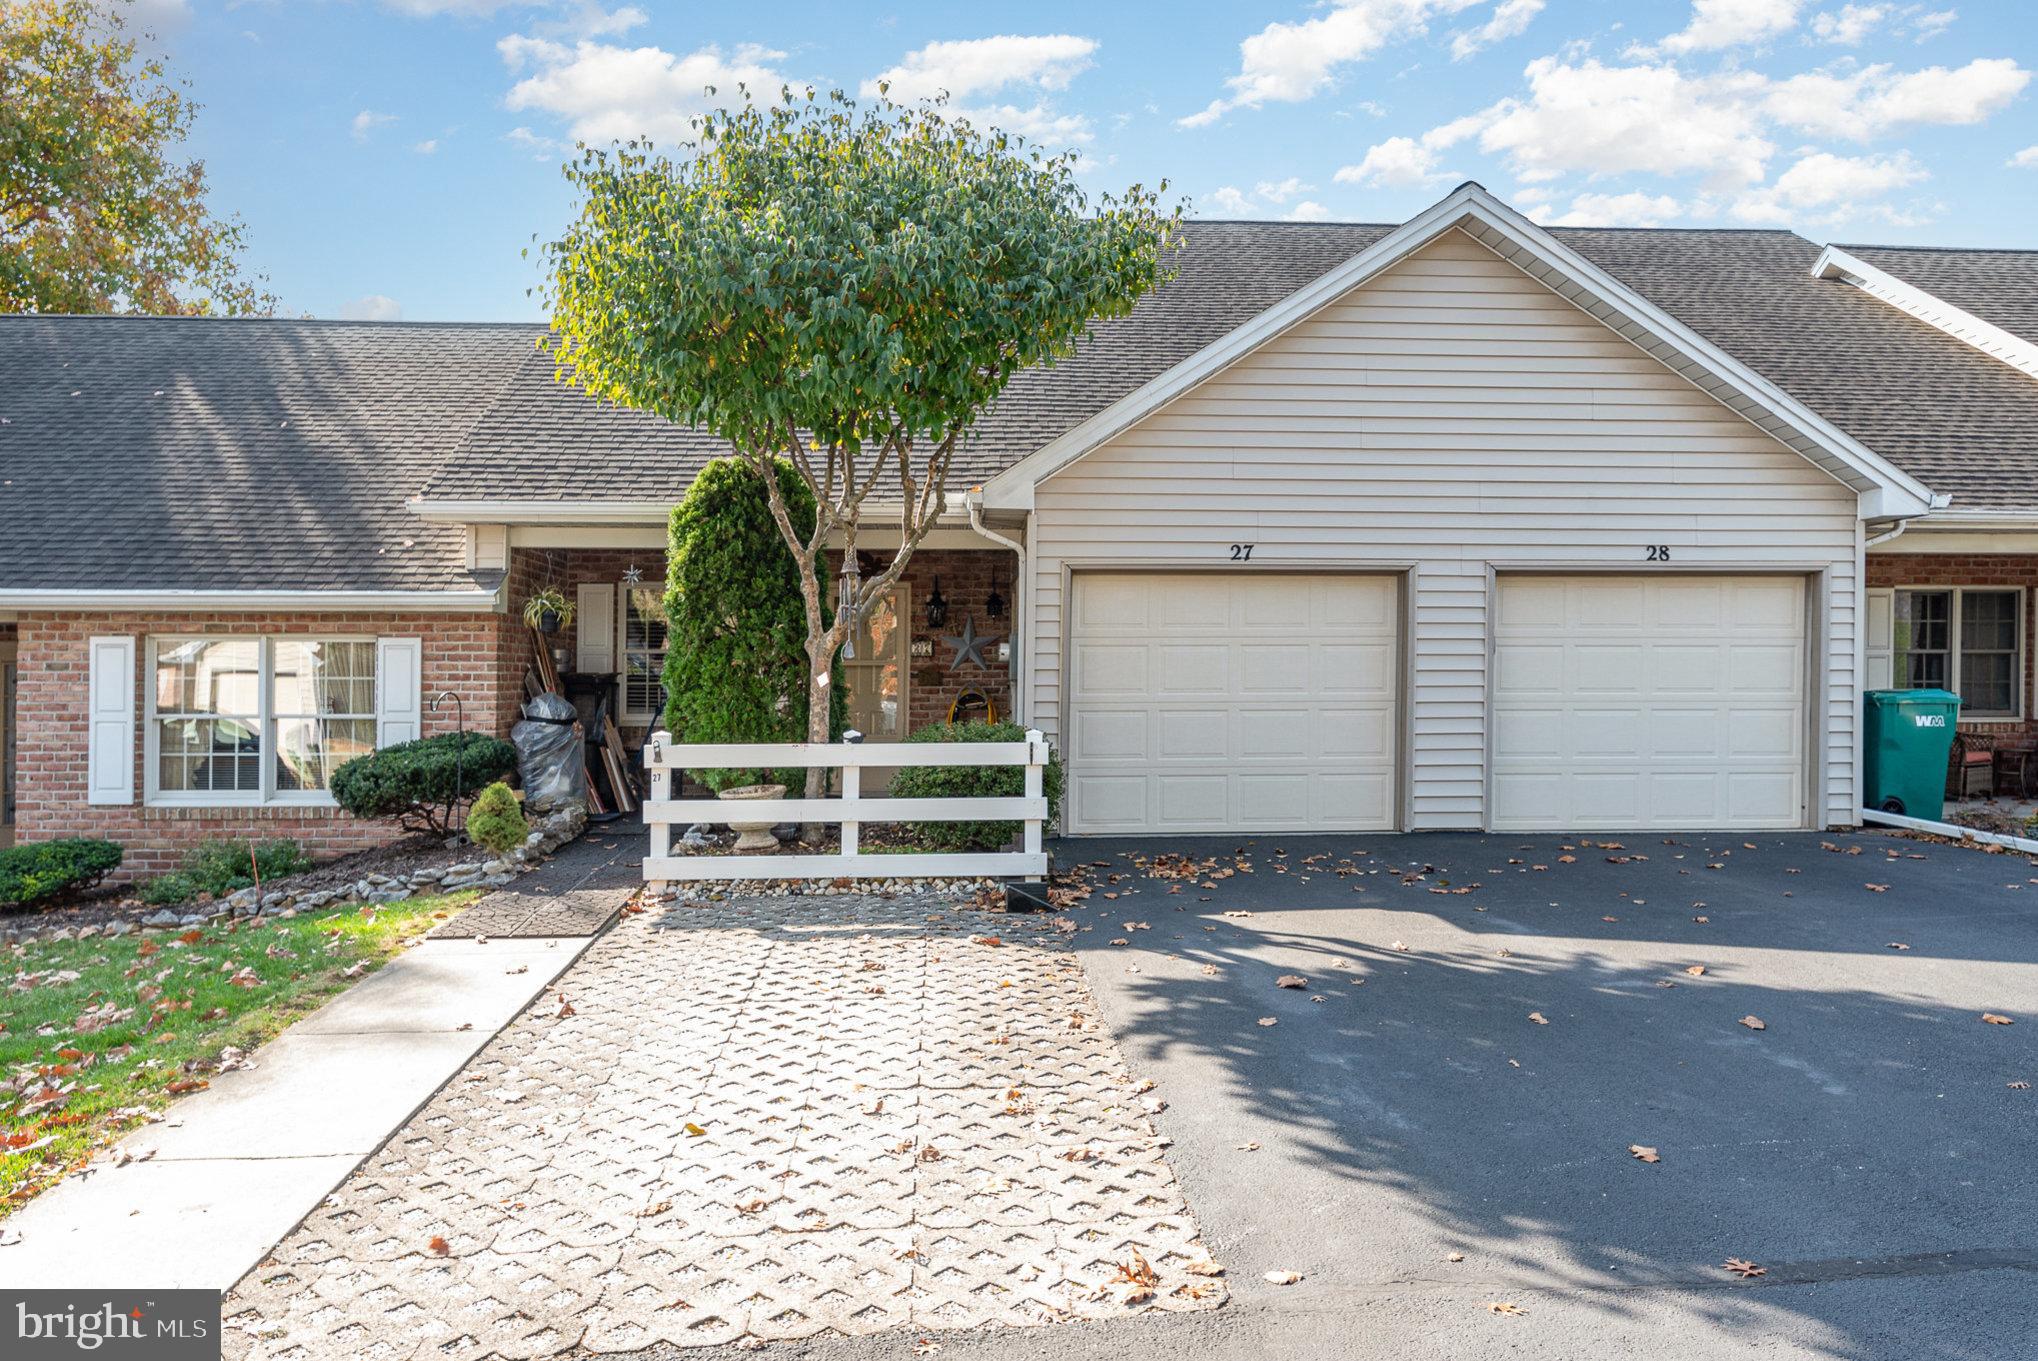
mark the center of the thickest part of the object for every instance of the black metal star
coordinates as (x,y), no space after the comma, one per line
(969,649)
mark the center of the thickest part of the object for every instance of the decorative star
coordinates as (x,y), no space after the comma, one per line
(969,649)
(634,576)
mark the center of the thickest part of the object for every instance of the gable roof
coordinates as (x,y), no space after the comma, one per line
(1886,490)
(166,454)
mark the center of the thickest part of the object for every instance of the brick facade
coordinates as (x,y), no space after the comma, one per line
(461,652)
(1927,570)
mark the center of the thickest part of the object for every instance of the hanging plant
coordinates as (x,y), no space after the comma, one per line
(548,611)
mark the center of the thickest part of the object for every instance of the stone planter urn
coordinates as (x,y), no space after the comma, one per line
(754,836)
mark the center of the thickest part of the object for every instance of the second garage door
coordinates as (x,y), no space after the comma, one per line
(1661,702)
(1209,703)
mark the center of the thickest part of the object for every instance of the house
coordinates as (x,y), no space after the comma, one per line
(1457,524)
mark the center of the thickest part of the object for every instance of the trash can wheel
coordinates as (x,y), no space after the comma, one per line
(1893,805)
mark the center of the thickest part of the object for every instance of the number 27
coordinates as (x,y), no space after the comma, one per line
(1241,552)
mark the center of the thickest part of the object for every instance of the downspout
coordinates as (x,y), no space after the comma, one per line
(973,501)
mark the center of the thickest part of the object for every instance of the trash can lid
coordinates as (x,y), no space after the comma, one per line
(1902,697)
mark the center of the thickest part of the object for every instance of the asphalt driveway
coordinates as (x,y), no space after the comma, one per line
(1872,1147)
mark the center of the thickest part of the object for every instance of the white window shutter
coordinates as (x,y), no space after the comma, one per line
(594,624)
(399,691)
(1878,670)
(110,702)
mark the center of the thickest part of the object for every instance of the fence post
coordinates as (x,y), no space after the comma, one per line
(1036,760)
(661,788)
(852,788)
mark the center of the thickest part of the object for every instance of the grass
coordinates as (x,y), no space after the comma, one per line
(98,1035)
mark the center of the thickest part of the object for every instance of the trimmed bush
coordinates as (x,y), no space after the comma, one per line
(497,819)
(413,782)
(222,867)
(736,664)
(953,782)
(44,869)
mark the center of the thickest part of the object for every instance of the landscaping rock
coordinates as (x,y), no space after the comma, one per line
(119,928)
(787,831)
(165,917)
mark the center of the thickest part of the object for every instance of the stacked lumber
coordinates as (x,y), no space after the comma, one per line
(607,759)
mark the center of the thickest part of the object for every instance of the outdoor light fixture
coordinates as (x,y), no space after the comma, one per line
(994,604)
(937,608)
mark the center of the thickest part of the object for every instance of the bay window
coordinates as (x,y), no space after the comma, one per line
(1967,640)
(238,720)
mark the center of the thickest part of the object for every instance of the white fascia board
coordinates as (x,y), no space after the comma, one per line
(1962,325)
(408,601)
(542,512)
(1903,495)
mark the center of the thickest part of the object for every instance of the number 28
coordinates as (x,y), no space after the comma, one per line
(1658,552)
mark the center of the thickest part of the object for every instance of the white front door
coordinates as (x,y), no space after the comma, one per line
(1204,702)
(1672,702)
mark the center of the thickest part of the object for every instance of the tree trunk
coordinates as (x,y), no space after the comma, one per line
(820,687)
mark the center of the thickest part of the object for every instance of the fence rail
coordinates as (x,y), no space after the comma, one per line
(663,758)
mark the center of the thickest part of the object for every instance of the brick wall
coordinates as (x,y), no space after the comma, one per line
(461,652)
(1970,569)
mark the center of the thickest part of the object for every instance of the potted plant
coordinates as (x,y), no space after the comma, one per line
(548,610)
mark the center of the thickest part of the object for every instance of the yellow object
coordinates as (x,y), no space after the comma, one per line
(990,711)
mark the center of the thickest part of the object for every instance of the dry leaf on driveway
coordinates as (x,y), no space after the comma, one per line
(1898,945)
(1993,1019)
(1249,1146)
(1203,1266)
(1743,1268)
(1754,1023)
(1695,970)
(1643,1153)
(1506,1307)
(1270,1020)
(1282,1277)
(1539,1018)
(440,1247)
(1291,980)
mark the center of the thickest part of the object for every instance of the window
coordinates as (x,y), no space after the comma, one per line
(1966,641)
(644,626)
(255,720)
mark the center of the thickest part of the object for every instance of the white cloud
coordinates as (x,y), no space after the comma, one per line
(374,307)
(587,19)
(1283,190)
(1291,62)
(1875,100)
(980,65)
(466,9)
(1509,18)
(1040,64)
(1850,25)
(608,93)
(366,121)
(1308,211)
(2027,159)
(1830,187)
(158,17)
(1612,210)
(1397,163)
(1227,198)
(426,147)
(541,148)
(1731,23)
(1931,25)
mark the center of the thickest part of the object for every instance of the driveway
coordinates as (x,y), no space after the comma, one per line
(1866,1147)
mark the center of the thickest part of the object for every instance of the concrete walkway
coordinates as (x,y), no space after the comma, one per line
(234,1168)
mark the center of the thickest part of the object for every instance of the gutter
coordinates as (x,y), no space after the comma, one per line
(973,501)
(432,601)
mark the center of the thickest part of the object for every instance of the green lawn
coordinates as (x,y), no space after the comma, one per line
(96,1034)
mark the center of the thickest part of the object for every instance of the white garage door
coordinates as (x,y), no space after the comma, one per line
(1210,703)
(1665,702)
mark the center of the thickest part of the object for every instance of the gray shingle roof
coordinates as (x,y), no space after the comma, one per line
(177,454)
(1999,286)
(172,453)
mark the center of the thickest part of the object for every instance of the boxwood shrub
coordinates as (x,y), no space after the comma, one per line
(413,782)
(497,820)
(221,867)
(950,782)
(44,869)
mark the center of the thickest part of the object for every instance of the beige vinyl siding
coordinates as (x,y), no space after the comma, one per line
(1446,420)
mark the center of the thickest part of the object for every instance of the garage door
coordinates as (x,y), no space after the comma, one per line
(1666,702)
(1210,703)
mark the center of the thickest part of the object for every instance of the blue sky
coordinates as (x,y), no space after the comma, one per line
(392,157)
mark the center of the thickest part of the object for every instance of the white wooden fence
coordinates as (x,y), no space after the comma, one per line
(663,758)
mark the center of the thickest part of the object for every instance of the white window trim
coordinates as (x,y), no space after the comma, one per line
(1953,644)
(267,795)
(625,716)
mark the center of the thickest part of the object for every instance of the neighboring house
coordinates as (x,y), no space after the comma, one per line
(1460,524)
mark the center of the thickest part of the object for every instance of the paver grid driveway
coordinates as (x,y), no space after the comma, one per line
(755,1120)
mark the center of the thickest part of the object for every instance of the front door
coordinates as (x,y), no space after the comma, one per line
(877,677)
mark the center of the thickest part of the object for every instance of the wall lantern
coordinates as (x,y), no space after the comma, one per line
(994,604)
(937,608)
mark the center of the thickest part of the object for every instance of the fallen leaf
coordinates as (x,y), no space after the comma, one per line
(1203,1266)
(440,1247)
(1505,1307)
(1291,980)
(1754,1023)
(1249,1146)
(926,1346)
(1695,970)
(1539,1018)
(1282,1277)
(1455,1257)
(693,1130)
(2020,1086)
(1898,945)
(1993,1019)
(1270,1020)
(1743,1268)
(1876,888)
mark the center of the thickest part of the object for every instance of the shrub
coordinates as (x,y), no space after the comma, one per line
(413,782)
(736,664)
(222,867)
(951,782)
(497,819)
(44,869)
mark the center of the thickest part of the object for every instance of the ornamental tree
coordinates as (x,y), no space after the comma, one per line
(844,286)
(735,659)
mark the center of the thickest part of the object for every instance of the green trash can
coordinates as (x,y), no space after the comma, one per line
(1908,741)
